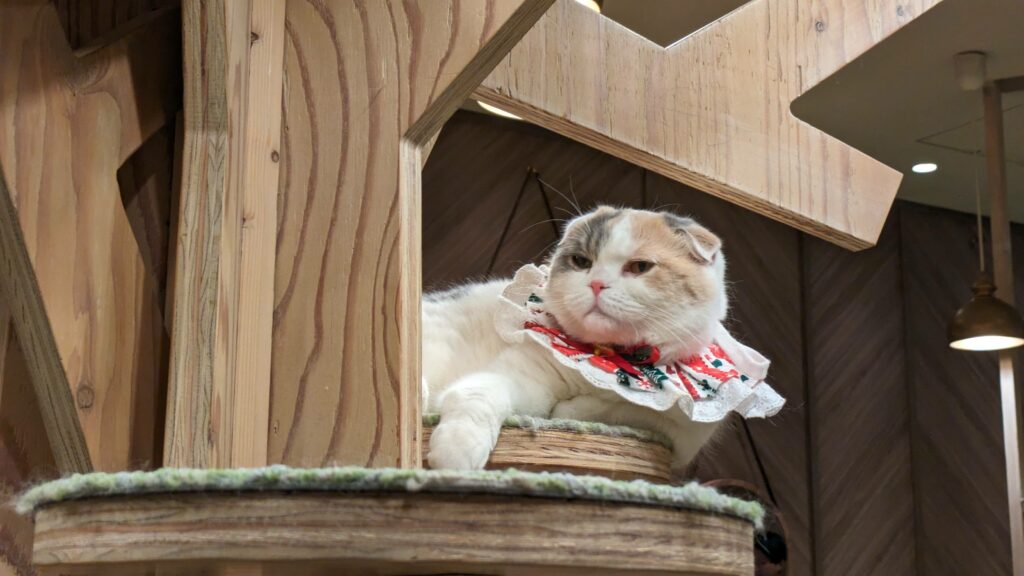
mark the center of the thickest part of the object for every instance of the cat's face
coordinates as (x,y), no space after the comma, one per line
(624,277)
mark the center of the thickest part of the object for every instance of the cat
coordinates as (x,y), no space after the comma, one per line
(618,277)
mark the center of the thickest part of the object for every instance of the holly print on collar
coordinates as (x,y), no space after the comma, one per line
(725,376)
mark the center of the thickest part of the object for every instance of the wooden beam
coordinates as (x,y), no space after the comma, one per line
(83,302)
(1002,264)
(368,84)
(713,110)
(389,534)
(1012,84)
(25,455)
(219,388)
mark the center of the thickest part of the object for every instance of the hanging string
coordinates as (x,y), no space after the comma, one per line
(977,210)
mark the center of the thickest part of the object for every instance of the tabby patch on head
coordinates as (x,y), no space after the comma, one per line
(625,277)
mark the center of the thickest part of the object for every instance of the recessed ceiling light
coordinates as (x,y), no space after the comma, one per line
(925,167)
(497,111)
(592,4)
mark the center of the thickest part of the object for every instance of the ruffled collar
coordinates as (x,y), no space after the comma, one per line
(725,376)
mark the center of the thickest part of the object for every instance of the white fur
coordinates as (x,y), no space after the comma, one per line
(475,379)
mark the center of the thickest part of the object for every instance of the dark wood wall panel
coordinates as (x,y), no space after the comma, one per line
(956,437)
(471,182)
(888,457)
(763,271)
(859,406)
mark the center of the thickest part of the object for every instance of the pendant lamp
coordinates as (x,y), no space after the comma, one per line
(985,322)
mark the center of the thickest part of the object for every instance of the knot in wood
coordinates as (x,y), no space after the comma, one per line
(85,395)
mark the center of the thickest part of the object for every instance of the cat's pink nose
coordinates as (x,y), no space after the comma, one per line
(597,286)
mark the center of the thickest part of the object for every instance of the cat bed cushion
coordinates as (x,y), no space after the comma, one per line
(356,479)
(576,426)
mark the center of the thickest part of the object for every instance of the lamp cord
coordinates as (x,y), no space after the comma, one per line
(981,230)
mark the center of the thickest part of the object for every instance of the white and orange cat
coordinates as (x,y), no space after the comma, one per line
(618,277)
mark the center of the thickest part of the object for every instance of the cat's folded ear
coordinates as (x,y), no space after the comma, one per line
(703,243)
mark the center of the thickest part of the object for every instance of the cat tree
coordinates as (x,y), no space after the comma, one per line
(296,275)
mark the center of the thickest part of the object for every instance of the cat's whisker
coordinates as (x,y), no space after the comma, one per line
(574,204)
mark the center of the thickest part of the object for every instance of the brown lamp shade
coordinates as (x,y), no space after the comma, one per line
(986,322)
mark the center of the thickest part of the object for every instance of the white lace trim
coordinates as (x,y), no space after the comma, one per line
(752,399)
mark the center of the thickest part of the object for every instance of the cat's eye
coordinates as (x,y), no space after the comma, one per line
(638,267)
(581,262)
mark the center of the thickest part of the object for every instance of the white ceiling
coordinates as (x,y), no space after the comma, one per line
(900,102)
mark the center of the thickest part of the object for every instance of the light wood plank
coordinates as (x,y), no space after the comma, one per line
(83,301)
(465,533)
(224,267)
(369,83)
(712,110)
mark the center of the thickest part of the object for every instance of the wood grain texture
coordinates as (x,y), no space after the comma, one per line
(464,532)
(219,382)
(859,408)
(368,84)
(25,455)
(961,523)
(83,301)
(712,110)
(587,454)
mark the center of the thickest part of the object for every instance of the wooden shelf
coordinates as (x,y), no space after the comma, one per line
(616,457)
(404,533)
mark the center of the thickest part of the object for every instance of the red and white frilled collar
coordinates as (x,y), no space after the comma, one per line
(726,376)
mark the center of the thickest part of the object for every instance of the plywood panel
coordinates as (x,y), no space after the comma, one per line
(961,523)
(369,84)
(712,110)
(85,306)
(145,183)
(859,408)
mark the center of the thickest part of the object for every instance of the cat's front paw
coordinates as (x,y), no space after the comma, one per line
(459,445)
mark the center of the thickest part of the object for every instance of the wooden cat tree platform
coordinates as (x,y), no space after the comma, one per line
(293,305)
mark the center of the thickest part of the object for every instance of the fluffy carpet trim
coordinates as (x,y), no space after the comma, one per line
(355,479)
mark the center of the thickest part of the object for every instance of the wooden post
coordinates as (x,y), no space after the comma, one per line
(713,110)
(369,83)
(1002,260)
(84,304)
(219,386)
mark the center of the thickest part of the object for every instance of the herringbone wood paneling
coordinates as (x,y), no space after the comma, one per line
(956,437)
(882,390)
(860,423)
(763,271)
(471,181)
